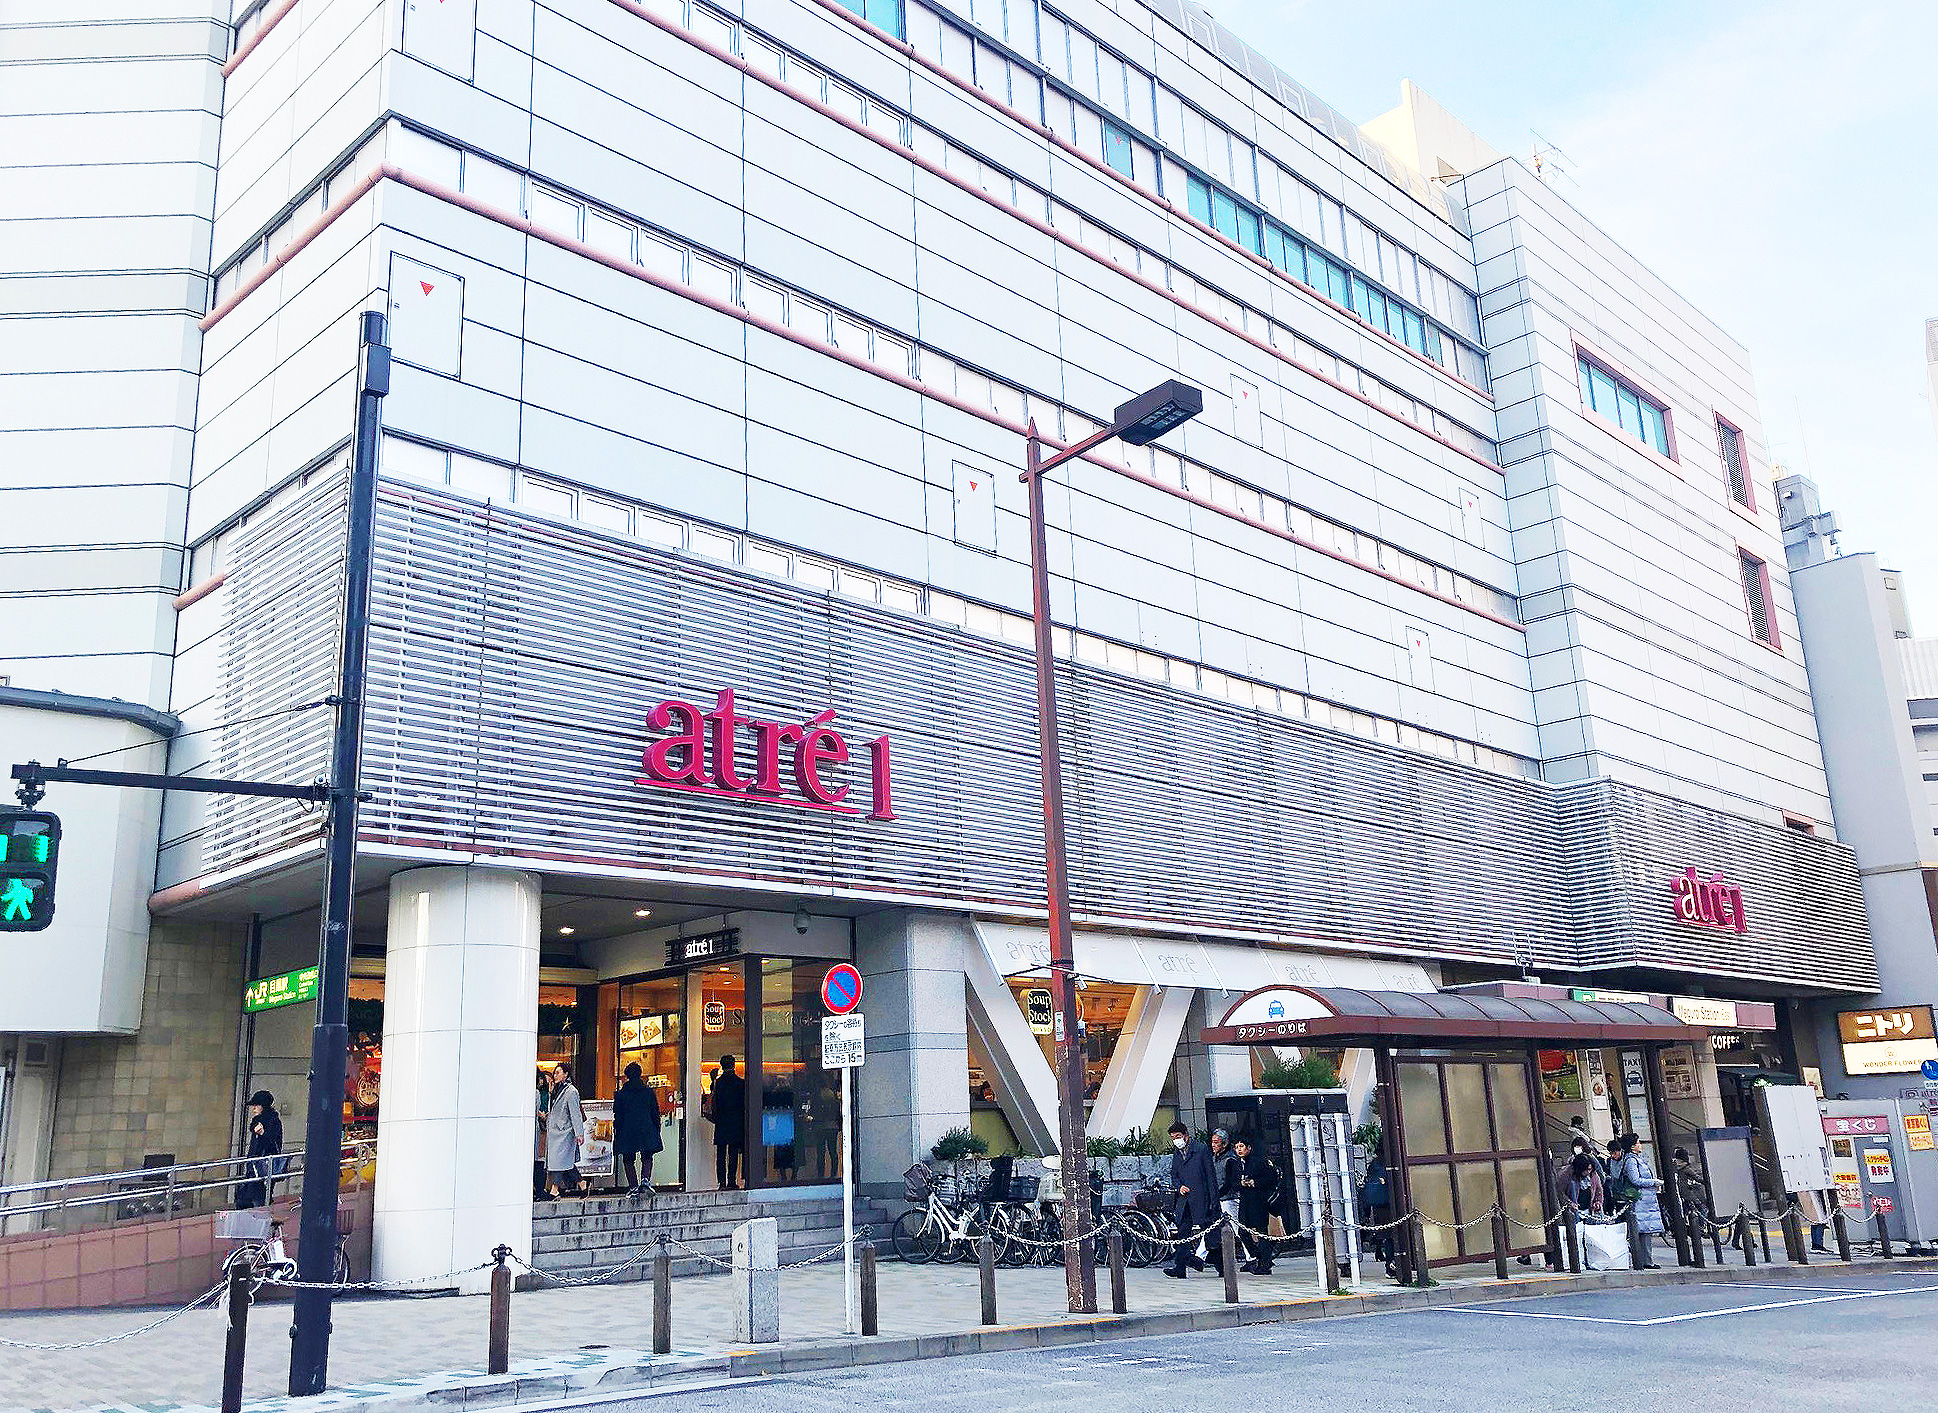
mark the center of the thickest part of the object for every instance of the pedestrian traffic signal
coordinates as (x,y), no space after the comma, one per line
(30,852)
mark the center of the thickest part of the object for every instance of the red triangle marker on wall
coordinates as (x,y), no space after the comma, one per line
(424,285)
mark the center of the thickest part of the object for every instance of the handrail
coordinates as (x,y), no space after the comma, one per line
(152,1183)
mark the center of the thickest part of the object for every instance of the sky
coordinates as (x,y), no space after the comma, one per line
(1776,162)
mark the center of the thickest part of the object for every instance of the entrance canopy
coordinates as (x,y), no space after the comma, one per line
(1302,1015)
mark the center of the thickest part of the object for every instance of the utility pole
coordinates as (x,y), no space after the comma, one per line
(309,1333)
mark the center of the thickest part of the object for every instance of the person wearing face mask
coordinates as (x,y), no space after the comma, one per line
(1194,1184)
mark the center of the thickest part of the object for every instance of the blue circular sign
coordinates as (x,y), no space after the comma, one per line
(1930,1068)
(841,989)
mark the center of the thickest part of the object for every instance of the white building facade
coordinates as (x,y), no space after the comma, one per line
(1441,648)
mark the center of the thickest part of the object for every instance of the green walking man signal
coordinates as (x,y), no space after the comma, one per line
(30,852)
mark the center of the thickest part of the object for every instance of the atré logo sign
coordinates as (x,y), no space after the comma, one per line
(699,756)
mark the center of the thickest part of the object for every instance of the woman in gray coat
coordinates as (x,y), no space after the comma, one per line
(564,1133)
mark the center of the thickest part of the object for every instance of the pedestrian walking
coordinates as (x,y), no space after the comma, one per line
(1376,1208)
(635,1131)
(265,1142)
(1579,1141)
(1635,1181)
(564,1133)
(727,1107)
(1225,1164)
(1194,1185)
(1258,1192)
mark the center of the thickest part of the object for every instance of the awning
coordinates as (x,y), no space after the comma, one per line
(1016,949)
(1300,1015)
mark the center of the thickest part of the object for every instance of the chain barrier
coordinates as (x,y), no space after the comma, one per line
(44,1347)
(273,1276)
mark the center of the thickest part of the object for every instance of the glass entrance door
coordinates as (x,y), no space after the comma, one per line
(718,1001)
(651,1033)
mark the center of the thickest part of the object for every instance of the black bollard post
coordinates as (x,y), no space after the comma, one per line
(662,1300)
(1716,1237)
(1744,1239)
(1800,1242)
(1692,1219)
(238,1340)
(1228,1252)
(498,1331)
(986,1260)
(1883,1233)
(1571,1224)
(1842,1228)
(870,1307)
(1416,1237)
(1763,1234)
(1119,1304)
(1500,1243)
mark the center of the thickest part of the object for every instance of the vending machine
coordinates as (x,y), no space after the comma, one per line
(1882,1158)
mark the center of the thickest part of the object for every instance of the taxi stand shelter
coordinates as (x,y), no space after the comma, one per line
(1458,1084)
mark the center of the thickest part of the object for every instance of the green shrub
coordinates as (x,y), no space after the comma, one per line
(957,1144)
(1310,1073)
(1146,1142)
(1104,1147)
(1367,1136)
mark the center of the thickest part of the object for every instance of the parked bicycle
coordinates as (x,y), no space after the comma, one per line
(270,1259)
(945,1227)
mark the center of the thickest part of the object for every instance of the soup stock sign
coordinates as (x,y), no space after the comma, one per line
(700,756)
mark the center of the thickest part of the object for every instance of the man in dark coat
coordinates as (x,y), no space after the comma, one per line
(1194,1186)
(1258,1189)
(265,1133)
(729,1125)
(635,1130)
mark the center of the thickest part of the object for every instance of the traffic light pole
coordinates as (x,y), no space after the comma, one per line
(309,1332)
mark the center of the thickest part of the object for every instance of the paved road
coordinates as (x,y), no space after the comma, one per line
(1857,1343)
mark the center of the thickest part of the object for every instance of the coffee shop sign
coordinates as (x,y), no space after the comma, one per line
(1708,903)
(704,755)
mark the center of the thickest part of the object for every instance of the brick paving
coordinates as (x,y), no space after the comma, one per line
(386,1338)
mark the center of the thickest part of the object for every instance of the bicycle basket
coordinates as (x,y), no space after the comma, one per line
(1023,1187)
(917,1182)
(1150,1201)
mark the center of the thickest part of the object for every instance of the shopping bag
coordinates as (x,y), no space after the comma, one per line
(1604,1247)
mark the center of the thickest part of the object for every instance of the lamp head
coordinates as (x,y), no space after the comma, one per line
(1150,415)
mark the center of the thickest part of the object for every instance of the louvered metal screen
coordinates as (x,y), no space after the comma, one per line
(513,662)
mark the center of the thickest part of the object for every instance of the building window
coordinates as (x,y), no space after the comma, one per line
(1117,150)
(1616,401)
(1756,597)
(1729,441)
(885,15)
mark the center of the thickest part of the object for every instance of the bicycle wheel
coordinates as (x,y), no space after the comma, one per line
(915,1237)
(1019,1232)
(340,1267)
(1049,1231)
(1143,1241)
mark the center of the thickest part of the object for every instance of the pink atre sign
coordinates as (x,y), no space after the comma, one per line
(699,757)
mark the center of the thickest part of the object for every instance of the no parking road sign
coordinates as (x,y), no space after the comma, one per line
(841,989)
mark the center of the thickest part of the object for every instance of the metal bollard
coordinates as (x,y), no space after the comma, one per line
(1329,1255)
(233,1350)
(1571,1233)
(1763,1233)
(1842,1228)
(1417,1244)
(1744,1239)
(870,1306)
(1114,1247)
(662,1299)
(1883,1233)
(1800,1243)
(1716,1238)
(986,1260)
(1500,1243)
(1228,1252)
(498,1335)
(1692,1220)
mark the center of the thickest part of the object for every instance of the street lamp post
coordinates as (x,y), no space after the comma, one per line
(1141,420)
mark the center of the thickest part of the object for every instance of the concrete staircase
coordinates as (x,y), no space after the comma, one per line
(569,1237)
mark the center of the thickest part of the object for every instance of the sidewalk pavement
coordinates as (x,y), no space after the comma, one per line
(428,1351)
